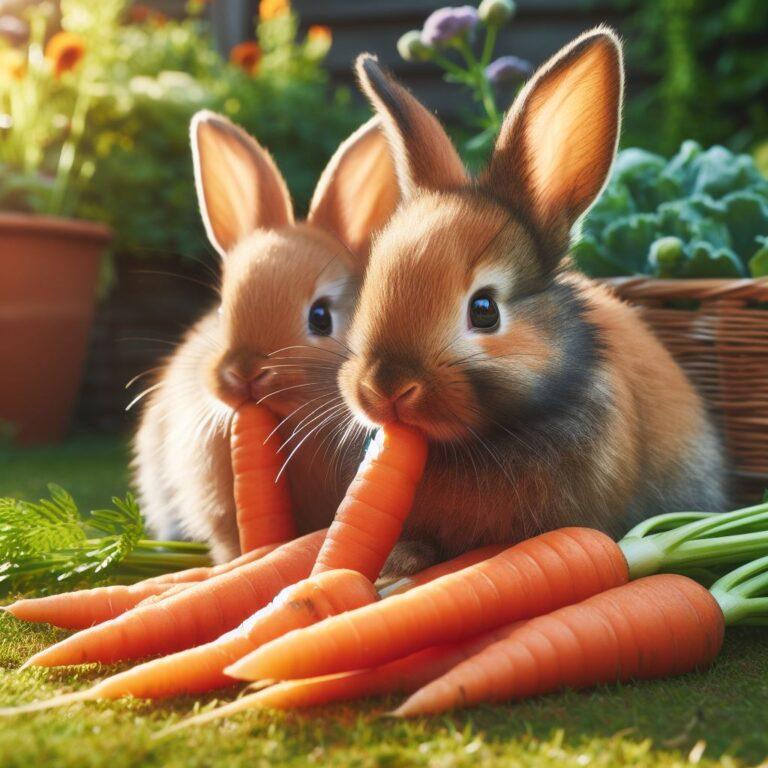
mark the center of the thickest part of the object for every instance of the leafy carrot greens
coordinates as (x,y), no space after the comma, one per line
(51,546)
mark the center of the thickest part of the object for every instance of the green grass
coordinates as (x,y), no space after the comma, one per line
(655,724)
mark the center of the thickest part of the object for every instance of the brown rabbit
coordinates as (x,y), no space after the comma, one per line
(547,401)
(287,291)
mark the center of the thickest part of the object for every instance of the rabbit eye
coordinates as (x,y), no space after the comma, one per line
(483,312)
(320,320)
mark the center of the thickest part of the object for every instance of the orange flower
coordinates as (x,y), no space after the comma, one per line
(319,33)
(246,56)
(64,51)
(12,63)
(271,9)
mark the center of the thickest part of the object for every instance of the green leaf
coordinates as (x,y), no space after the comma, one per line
(758,264)
(746,215)
(706,261)
(593,261)
(28,529)
(631,239)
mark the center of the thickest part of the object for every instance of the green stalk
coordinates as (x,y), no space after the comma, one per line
(741,594)
(481,84)
(490,43)
(699,540)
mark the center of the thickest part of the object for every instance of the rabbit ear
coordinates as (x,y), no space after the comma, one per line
(558,141)
(357,192)
(239,188)
(424,155)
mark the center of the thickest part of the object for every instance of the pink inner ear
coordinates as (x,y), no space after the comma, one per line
(570,134)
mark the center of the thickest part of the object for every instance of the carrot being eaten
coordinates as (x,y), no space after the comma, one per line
(88,607)
(196,615)
(262,496)
(370,518)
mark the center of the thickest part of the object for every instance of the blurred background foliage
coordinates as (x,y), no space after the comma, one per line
(700,71)
(103,135)
(144,76)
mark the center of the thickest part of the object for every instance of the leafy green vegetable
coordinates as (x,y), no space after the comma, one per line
(702,214)
(49,546)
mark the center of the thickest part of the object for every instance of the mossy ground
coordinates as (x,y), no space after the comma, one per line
(723,711)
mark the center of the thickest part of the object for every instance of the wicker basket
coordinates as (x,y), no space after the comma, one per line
(718,332)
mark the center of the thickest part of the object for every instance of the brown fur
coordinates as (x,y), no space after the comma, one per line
(273,270)
(571,411)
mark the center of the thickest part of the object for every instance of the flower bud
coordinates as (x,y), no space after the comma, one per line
(496,13)
(411,47)
(446,24)
(508,68)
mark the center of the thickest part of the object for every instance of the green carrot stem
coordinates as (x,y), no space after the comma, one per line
(666,522)
(741,593)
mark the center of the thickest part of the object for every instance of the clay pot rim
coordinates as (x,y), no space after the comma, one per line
(38,223)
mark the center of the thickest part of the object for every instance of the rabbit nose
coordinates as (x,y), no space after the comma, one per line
(246,385)
(399,397)
(406,395)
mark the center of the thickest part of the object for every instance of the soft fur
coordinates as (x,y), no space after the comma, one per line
(572,412)
(257,344)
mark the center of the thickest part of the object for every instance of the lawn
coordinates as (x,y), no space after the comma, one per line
(718,717)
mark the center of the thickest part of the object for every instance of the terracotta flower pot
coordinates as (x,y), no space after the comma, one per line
(49,268)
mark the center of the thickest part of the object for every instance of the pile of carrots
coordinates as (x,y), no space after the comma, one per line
(302,618)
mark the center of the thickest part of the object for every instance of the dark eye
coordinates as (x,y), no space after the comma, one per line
(320,321)
(483,312)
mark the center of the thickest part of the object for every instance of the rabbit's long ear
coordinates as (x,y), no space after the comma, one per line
(424,155)
(239,188)
(357,191)
(558,141)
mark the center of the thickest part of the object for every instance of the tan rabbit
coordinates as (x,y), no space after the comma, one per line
(547,401)
(287,291)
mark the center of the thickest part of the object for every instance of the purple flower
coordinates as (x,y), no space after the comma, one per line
(446,24)
(508,68)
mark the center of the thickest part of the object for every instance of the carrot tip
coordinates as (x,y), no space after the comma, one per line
(233,707)
(39,706)
(260,685)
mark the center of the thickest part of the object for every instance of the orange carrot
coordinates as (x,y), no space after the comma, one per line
(200,669)
(263,501)
(441,569)
(87,607)
(194,616)
(654,627)
(369,520)
(400,676)
(534,577)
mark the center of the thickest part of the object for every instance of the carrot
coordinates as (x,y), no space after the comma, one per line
(87,607)
(534,577)
(262,499)
(194,616)
(441,569)
(399,676)
(654,627)
(370,518)
(200,669)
